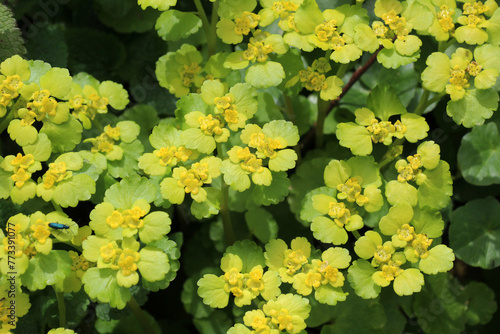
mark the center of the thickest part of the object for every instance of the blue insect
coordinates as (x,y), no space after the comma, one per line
(61,229)
(59,226)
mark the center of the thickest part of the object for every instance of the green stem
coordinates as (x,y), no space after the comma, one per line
(224,205)
(423,103)
(141,316)
(56,206)
(212,42)
(356,234)
(394,151)
(445,45)
(341,71)
(61,307)
(207,27)
(320,122)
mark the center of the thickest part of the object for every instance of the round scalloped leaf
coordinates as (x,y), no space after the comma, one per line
(416,127)
(308,17)
(128,164)
(436,190)
(282,129)
(479,155)
(101,284)
(326,230)
(171,249)
(115,93)
(409,281)
(360,279)
(153,264)
(440,260)
(41,148)
(327,294)
(481,303)
(15,64)
(265,75)
(475,107)
(355,137)
(46,270)
(366,170)
(57,81)
(173,25)
(124,194)
(250,254)
(65,136)
(209,207)
(193,303)
(157,4)
(475,233)
(389,58)
(79,188)
(274,193)
(23,135)
(308,212)
(384,102)
(233,8)
(284,160)
(428,221)
(195,139)
(261,224)
(129,130)
(156,225)
(396,191)
(336,172)
(401,213)
(234,176)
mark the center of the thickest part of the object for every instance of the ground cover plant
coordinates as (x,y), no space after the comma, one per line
(230,166)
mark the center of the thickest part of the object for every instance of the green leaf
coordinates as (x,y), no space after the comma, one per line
(346,317)
(479,155)
(308,176)
(440,260)
(384,102)
(10,35)
(360,278)
(232,8)
(261,224)
(274,193)
(64,137)
(79,188)
(250,254)
(193,303)
(123,195)
(436,190)
(308,212)
(173,25)
(475,107)
(481,303)
(128,164)
(217,323)
(46,270)
(211,289)
(101,284)
(443,292)
(308,16)
(265,75)
(475,233)
(209,207)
